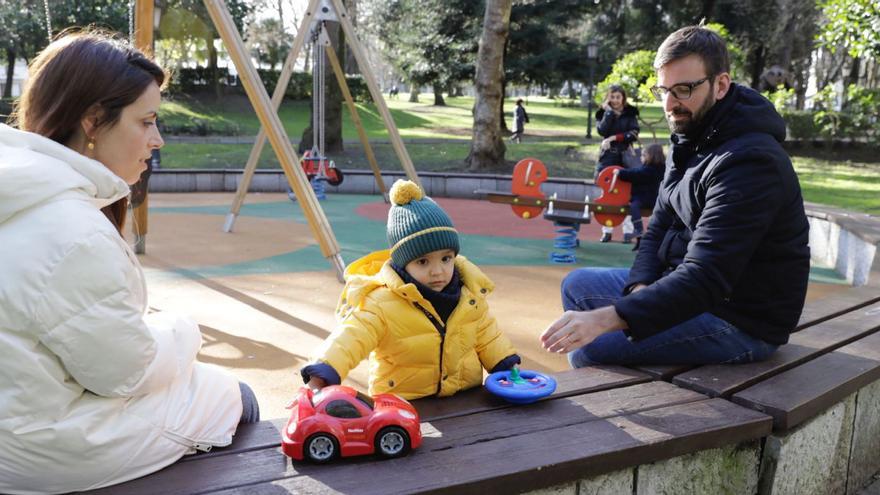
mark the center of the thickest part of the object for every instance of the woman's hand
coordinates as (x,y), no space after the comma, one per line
(606,143)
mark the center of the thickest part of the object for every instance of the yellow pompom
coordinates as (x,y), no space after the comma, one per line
(404,191)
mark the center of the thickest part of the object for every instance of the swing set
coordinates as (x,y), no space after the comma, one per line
(314,162)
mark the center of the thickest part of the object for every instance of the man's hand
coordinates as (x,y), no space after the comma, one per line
(576,329)
(637,287)
(316,383)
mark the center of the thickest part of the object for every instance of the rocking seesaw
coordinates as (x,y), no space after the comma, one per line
(528,201)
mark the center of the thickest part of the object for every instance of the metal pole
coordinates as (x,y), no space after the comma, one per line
(590,102)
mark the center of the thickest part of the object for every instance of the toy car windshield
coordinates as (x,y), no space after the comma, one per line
(366,400)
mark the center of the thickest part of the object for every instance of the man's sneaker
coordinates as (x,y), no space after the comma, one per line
(606,237)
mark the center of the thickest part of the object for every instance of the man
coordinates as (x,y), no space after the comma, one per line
(721,273)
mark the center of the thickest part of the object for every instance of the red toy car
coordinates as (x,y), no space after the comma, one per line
(340,421)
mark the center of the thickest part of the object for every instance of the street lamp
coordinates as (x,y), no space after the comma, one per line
(592,54)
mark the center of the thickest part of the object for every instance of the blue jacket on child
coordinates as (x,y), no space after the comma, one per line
(645,182)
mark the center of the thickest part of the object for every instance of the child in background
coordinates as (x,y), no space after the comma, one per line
(645,186)
(418,310)
(520,119)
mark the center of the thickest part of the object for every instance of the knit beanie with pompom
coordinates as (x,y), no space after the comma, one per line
(417,225)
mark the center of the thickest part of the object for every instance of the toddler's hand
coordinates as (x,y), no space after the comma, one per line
(315,383)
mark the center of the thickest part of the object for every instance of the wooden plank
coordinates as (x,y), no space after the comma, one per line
(568,383)
(143,40)
(807,390)
(663,371)
(722,380)
(267,434)
(535,459)
(842,302)
(203,473)
(248,437)
(453,432)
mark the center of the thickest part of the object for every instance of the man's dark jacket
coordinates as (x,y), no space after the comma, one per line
(728,234)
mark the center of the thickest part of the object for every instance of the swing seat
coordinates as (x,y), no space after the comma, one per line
(567,216)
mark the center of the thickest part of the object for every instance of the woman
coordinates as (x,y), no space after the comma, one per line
(94,392)
(618,123)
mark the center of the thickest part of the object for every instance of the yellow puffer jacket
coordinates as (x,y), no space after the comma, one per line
(379,315)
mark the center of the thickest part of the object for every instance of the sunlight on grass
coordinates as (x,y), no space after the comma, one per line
(850,185)
(438,139)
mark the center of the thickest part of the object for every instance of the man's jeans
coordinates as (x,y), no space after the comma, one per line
(704,339)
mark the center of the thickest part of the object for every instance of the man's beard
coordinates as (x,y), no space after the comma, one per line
(694,120)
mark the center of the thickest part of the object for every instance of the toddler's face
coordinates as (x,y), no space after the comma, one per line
(434,269)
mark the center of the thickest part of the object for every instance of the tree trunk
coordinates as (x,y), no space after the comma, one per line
(212,68)
(308,58)
(706,11)
(487,147)
(10,70)
(854,70)
(505,131)
(438,96)
(351,66)
(413,92)
(757,64)
(332,100)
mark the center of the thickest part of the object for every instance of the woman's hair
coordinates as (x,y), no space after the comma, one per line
(81,72)
(654,156)
(616,88)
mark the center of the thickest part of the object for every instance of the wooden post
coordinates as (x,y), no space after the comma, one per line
(270,121)
(143,40)
(378,98)
(355,118)
(277,97)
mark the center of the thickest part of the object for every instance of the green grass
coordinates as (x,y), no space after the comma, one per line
(438,139)
(850,185)
(414,120)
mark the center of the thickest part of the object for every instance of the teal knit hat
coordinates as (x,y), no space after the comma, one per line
(417,225)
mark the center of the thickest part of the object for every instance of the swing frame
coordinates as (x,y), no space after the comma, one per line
(318,12)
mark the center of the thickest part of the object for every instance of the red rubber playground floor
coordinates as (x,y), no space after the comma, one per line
(265,296)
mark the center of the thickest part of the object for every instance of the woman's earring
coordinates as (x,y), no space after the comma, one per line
(91,145)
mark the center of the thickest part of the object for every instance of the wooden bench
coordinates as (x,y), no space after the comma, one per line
(822,390)
(600,420)
(807,420)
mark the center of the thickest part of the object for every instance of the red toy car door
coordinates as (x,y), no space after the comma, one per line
(350,417)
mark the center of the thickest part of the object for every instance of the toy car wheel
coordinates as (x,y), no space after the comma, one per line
(392,442)
(321,448)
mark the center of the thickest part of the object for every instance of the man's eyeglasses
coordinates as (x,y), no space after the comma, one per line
(681,91)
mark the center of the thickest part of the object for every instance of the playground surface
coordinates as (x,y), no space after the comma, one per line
(264,295)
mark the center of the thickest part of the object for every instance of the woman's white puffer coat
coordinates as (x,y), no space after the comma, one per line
(93,391)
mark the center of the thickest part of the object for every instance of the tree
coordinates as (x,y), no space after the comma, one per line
(853,25)
(487,145)
(432,42)
(189,20)
(268,41)
(23,25)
